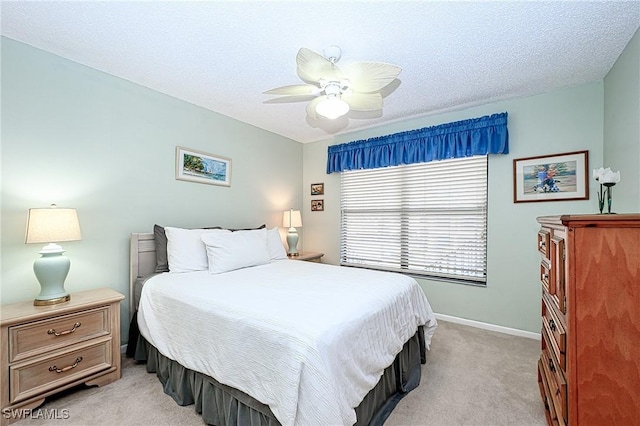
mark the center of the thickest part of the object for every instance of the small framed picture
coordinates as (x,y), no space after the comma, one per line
(317,189)
(197,166)
(317,205)
(551,177)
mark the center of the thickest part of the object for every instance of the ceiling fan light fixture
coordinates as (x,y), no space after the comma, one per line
(356,88)
(332,107)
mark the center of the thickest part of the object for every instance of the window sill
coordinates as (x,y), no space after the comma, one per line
(423,277)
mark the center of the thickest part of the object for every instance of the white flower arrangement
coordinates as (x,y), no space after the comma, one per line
(606,178)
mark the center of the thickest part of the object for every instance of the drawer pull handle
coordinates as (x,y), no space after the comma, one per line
(62,370)
(62,333)
(552,325)
(551,366)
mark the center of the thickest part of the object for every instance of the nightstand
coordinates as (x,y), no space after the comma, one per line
(309,256)
(46,349)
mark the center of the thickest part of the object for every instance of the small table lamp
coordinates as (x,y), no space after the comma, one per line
(292,219)
(51,225)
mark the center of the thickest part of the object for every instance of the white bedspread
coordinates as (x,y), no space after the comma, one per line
(307,339)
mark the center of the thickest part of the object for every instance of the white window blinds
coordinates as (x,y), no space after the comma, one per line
(426,219)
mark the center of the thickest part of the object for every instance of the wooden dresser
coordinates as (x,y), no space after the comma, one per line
(589,368)
(46,349)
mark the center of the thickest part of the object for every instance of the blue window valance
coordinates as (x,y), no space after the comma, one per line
(476,136)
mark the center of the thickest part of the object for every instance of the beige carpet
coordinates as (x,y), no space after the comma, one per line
(472,377)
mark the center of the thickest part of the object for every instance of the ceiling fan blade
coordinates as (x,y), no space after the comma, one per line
(311,107)
(294,89)
(363,101)
(312,67)
(290,99)
(370,77)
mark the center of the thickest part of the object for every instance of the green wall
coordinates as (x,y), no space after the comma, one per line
(81,138)
(556,122)
(622,127)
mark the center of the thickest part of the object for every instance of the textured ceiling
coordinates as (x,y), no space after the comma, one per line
(222,55)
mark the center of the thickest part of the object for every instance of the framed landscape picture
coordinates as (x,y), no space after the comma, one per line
(551,177)
(197,166)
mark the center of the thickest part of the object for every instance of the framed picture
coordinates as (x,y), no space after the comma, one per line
(317,205)
(551,177)
(317,189)
(196,166)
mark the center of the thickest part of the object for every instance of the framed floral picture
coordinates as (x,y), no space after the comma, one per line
(317,189)
(197,166)
(551,177)
(317,205)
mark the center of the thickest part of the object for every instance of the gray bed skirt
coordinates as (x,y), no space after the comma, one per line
(222,405)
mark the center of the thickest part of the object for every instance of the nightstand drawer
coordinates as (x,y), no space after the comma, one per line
(36,377)
(309,256)
(44,336)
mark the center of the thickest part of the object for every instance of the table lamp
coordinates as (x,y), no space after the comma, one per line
(52,225)
(292,219)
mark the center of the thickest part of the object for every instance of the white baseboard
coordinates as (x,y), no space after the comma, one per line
(490,327)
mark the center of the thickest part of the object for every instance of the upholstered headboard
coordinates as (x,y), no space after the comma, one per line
(142,262)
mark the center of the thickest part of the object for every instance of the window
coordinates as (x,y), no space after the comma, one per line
(427,219)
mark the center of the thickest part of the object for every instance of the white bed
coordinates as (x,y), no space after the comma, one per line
(308,340)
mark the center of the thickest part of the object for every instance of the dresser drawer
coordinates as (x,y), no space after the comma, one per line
(44,336)
(557,279)
(544,237)
(543,383)
(32,378)
(555,377)
(551,412)
(545,277)
(555,329)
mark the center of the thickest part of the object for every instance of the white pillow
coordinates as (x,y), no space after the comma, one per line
(185,250)
(276,249)
(235,250)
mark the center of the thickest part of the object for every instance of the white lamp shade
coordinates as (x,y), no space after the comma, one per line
(291,219)
(49,225)
(332,107)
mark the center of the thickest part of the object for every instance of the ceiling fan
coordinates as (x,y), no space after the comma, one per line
(335,92)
